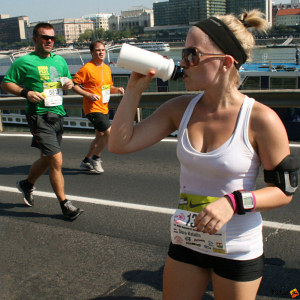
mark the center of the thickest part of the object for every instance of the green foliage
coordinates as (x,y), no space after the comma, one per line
(109,35)
(60,39)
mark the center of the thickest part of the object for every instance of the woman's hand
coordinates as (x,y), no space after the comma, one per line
(212,218)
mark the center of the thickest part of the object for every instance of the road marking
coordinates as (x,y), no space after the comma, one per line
(149,208)
(172,140)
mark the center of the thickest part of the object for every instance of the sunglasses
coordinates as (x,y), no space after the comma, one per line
(191,56)
(47,37)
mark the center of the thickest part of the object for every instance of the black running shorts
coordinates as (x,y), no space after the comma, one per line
(100,121)
(47,131)
(237,270)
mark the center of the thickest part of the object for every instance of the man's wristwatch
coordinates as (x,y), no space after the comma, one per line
(245,201)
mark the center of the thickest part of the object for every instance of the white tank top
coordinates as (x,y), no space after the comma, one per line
(232,166)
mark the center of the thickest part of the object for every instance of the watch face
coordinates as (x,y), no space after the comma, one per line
(247,200)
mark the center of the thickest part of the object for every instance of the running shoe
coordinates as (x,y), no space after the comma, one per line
(97,166)
(69,210)
(86,166)
(27,192)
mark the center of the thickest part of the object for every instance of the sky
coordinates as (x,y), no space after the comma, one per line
(37,10)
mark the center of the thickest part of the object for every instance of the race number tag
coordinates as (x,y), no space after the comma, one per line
(54,93)
(105,93)
(184,233)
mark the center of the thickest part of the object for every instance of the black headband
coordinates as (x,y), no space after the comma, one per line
(224,38)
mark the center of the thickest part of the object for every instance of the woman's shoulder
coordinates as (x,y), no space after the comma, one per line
(264,115)
(265,124)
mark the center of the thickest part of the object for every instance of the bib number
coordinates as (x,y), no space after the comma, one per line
(105,93)
(184,233)
(54,93)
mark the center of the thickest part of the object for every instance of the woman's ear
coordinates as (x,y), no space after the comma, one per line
(228,62)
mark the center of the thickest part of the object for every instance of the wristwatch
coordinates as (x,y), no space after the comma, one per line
(245,201)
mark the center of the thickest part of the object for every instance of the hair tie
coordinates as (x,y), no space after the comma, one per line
(244,23)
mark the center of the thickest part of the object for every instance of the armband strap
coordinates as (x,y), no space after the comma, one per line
(285,175)
(233,202)
(24,93)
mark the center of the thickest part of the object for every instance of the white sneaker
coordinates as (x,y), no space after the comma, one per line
(97,166)
(87,166)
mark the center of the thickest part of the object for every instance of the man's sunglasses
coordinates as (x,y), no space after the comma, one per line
(191,56)
(47,37)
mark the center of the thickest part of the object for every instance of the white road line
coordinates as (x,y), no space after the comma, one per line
(172,140)
(149,208)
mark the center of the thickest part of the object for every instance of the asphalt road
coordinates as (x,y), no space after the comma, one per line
(117,247)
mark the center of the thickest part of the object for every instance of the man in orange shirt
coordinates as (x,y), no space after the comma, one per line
(94,82)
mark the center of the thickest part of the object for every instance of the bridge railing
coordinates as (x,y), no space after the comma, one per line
(272,98)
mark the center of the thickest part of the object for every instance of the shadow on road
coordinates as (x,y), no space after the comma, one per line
(23,170)
(6,209)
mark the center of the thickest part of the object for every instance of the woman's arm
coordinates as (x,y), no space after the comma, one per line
(271,142)
(126,138)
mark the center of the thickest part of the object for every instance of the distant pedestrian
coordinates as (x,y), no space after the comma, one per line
(297,55)
(44,76)
(94,82)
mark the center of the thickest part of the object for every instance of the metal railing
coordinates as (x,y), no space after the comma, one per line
(272,98)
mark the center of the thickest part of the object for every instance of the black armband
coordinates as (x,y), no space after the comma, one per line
(285,175)
(24,93)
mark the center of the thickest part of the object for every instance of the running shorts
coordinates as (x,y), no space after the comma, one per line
(237,270)
(47,131)
(100,121)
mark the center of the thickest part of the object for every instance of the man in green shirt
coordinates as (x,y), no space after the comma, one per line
(44,76)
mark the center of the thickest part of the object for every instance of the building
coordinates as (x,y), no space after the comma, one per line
(114,22)
(13,30)
(178,12)
(99,20)
(70,28)
(173,18)
(238,6)
(137,16)
(288,17)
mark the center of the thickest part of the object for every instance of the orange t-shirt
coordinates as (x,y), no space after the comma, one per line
(95,80)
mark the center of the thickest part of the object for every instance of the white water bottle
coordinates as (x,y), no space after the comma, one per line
(142,61)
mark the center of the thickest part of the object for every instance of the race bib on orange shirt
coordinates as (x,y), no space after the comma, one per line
(105,93)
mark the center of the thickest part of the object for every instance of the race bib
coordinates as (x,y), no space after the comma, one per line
(183,231)
(53,93)
(105,93)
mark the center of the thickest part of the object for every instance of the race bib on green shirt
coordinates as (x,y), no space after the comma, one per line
(54,93)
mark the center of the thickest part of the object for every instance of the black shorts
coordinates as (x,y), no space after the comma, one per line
(237,270)
(47,131)
(100,121)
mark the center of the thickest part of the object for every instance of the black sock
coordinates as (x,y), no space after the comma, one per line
(85,160)
(62,203)
(95,157)
(28,184)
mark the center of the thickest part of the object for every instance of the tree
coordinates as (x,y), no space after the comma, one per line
(86,36)
(60,39)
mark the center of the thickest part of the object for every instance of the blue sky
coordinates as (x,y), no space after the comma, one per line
(38,10)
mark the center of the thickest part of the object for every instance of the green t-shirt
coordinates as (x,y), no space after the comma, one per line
(40,74)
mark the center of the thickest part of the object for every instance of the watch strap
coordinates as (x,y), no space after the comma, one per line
(233,202)
(239,203)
